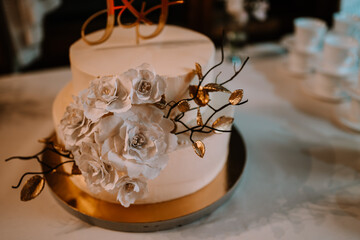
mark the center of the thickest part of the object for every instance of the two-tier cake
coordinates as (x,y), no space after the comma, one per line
(128,148)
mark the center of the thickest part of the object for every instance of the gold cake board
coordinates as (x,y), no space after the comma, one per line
(150,217)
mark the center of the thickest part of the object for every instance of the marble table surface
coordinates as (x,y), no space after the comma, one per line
(302,179)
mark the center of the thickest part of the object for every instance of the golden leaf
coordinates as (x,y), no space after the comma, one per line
(236,97)
(198,71)
(192,90)
(202,98)
(183,106)
(199,148)
(199,118)
(175,127)
(32,188)
(222,123)
(61,149)
(44,140)
(214,87)
(162,103)
(75,170)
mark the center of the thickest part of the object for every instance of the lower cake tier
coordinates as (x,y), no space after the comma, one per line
(185,173)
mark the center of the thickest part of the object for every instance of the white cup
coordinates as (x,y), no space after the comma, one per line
(355,110)
(301,62)
(344,23)
(327,85)
(340,56)
(309,34)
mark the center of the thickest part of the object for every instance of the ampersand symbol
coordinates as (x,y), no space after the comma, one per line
(140,18)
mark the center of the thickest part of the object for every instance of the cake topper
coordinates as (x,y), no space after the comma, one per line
(139,15)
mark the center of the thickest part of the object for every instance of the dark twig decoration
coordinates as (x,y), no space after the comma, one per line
(200,95)
(52,169)
(29,188)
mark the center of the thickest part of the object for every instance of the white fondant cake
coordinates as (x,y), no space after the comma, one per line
(172,54)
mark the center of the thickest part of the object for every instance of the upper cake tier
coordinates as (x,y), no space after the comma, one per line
(172,53)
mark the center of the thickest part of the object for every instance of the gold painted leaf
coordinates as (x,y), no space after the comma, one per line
(214,87)
(236,97)
(75,170)
(32,188)
(192,90)
(199,148)
(175,126)
(183,106)
(199,118)
(61,149)
(162,103)
(202,98)
(198,71)
(44,140)
(222,123)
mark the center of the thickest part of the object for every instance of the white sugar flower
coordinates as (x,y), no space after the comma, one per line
(99,174)
(137,141)
(74,126)
(147,87)
(107,94)
(130,190)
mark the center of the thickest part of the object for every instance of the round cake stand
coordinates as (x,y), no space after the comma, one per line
(150,217)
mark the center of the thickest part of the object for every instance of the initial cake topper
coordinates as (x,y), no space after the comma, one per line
(140,18)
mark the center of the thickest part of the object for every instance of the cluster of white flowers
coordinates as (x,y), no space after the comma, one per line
(118,138)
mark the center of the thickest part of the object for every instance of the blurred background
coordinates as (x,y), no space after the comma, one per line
(37,34)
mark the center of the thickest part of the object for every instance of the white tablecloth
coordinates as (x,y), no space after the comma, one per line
(302,179)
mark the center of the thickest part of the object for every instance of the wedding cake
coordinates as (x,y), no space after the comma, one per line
(127,117)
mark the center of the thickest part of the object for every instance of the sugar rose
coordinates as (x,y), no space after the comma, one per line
(74,126)
(130,189)
(147,87)
(138,140)
(107,94)
(99,174)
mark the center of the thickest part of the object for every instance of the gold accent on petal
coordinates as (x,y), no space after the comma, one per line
(75,170)
(199,118)
(162,103)
(198,70)
(199,148)
(183,106)
(175,126)
(214,87)
(222,123)
(32,188)
(129,187)
(202,98)
(236,97)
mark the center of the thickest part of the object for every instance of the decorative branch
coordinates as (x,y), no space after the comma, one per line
(200,95)
(236,72)
(35,185)
(52,169)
